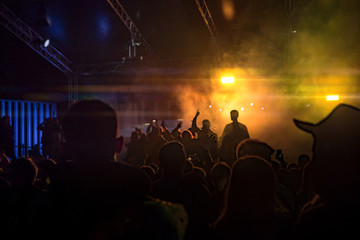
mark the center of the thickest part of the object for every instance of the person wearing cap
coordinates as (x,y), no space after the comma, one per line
(335,173)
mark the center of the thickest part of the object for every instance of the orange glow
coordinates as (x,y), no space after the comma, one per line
(228,9)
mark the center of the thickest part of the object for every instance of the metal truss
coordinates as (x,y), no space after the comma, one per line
(129,23)
(34,40)
(126,65)
(206,15)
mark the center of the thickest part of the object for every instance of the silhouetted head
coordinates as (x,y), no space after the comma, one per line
(155,131)
(186,136)
(220,174)
(335,164)
(148,171)
(199,172)
(234,114)
(206,124)
(134,136)
(22,172)
(302,160)
(5,120)
(172,158)
(252,188)
(47,169)
(253,147)
(90,129)
(189,167)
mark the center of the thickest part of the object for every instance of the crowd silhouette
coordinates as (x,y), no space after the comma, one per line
(180,184)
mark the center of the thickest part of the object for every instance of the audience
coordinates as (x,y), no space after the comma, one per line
(251,210)
(175,184)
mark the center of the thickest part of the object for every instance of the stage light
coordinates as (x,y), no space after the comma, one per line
(262,108)
(242,109)
(251,104)
(210,106)
(332,98)
(46,43)
(220,109)
(225,80)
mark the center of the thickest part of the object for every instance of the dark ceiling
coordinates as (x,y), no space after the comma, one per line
(89,31)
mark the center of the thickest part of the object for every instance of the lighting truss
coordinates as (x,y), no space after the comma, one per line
(110,67)
(33,39)
(130,25)
(206,15)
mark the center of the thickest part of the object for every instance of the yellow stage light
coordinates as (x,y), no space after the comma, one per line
(225,80)
(332,98)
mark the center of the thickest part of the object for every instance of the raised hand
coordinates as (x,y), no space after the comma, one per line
(197,113)
(179,125)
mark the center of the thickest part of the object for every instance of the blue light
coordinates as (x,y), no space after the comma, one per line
(22,124)
(9,112)
(35,124)
(41,120)
(16,128)
(103,26)
(29,127)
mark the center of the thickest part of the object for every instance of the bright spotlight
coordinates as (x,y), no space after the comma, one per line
(210,106)
(251,104)
(242,109)
(46,43)
(220,109)
(262,108)
(332,98)
(225,80)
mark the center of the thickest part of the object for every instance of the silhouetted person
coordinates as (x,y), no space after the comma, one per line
(94,197)
(46,173)
(303,159)
(23,197)
(204,133)
(190,146)
(135,150)
(218,182)
(251,211)
(155,142)
(254,147)
(232,135)
(177,188)
(176,132)
(7,137)
(50,137)
(334,171)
